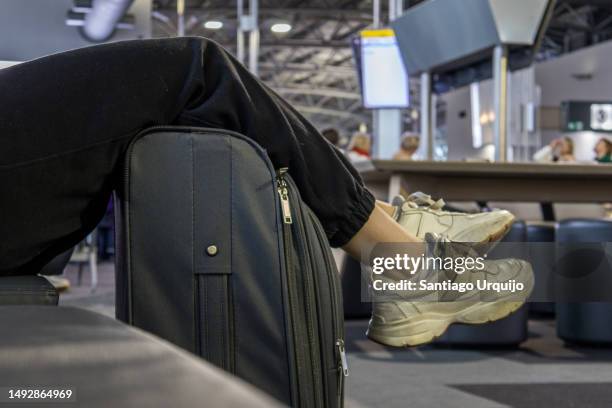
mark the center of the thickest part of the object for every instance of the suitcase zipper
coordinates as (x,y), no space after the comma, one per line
(343,362)
(283,193)
(306,392)
(337,317)
(315,372)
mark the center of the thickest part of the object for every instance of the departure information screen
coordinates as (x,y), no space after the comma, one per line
(384,78)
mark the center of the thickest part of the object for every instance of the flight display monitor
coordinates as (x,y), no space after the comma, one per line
(384,80)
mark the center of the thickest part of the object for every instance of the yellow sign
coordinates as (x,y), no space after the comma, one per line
(385,32)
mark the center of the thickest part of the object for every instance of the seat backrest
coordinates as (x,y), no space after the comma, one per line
(584,230)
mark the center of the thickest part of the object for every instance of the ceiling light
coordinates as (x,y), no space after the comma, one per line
(213,25)
(280,28)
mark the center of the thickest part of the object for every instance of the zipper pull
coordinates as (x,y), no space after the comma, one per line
(283,193)
(286,209)
(343,361)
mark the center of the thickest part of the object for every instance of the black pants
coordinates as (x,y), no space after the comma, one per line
(66,120)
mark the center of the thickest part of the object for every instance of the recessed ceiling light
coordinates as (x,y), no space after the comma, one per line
(213,25)
(280,28)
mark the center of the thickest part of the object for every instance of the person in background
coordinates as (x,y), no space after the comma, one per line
(332,135)
(359,147)
(408,147)
(603,151)
(603,154)
(559,150)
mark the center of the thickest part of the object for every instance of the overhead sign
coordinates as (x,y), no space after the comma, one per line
(601,117)
(384,78)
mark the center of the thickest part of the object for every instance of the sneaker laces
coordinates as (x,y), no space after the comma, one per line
(420,199)
(415,200)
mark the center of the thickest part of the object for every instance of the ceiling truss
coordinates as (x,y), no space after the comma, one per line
(312,65)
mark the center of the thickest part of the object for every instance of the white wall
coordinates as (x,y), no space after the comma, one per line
(556,78)
(459,125)
(558,85)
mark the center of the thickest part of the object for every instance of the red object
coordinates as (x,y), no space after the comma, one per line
(361,151)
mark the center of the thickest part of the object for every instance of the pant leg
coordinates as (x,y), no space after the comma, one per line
(66,121)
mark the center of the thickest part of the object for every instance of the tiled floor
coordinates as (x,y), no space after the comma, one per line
(542,373)
(102,300)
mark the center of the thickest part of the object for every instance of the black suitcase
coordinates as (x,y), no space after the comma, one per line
(217,253)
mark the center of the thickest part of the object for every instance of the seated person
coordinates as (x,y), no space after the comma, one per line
(603,151)
(408,147)
(560,150)
(359,147)
(66,121)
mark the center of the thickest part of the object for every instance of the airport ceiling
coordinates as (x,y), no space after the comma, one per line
(312,64)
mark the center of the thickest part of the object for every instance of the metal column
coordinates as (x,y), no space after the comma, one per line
(248,22)
(240,32)
(376,14)
(386,123)
(254,36)
(180,13)
(426,116)
(500,95)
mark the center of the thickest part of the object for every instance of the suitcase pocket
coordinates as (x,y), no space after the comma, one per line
(315,270)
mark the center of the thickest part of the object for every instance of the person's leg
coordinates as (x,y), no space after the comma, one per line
(66,121)
(381,228)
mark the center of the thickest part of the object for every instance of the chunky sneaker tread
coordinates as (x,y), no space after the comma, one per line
(426,328)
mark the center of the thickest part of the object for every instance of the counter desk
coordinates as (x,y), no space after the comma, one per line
(482,181)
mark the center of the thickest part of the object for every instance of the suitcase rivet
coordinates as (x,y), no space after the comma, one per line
(212,250)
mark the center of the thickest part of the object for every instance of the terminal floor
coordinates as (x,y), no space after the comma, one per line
(542,373)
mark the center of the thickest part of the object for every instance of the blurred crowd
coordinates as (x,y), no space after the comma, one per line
(561,150)
(359,146)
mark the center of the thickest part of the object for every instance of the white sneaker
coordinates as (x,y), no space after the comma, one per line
(419,214)
(418,317)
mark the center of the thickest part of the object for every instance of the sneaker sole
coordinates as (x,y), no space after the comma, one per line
(427,327)
(424,328)
(499,234)
(495,236)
